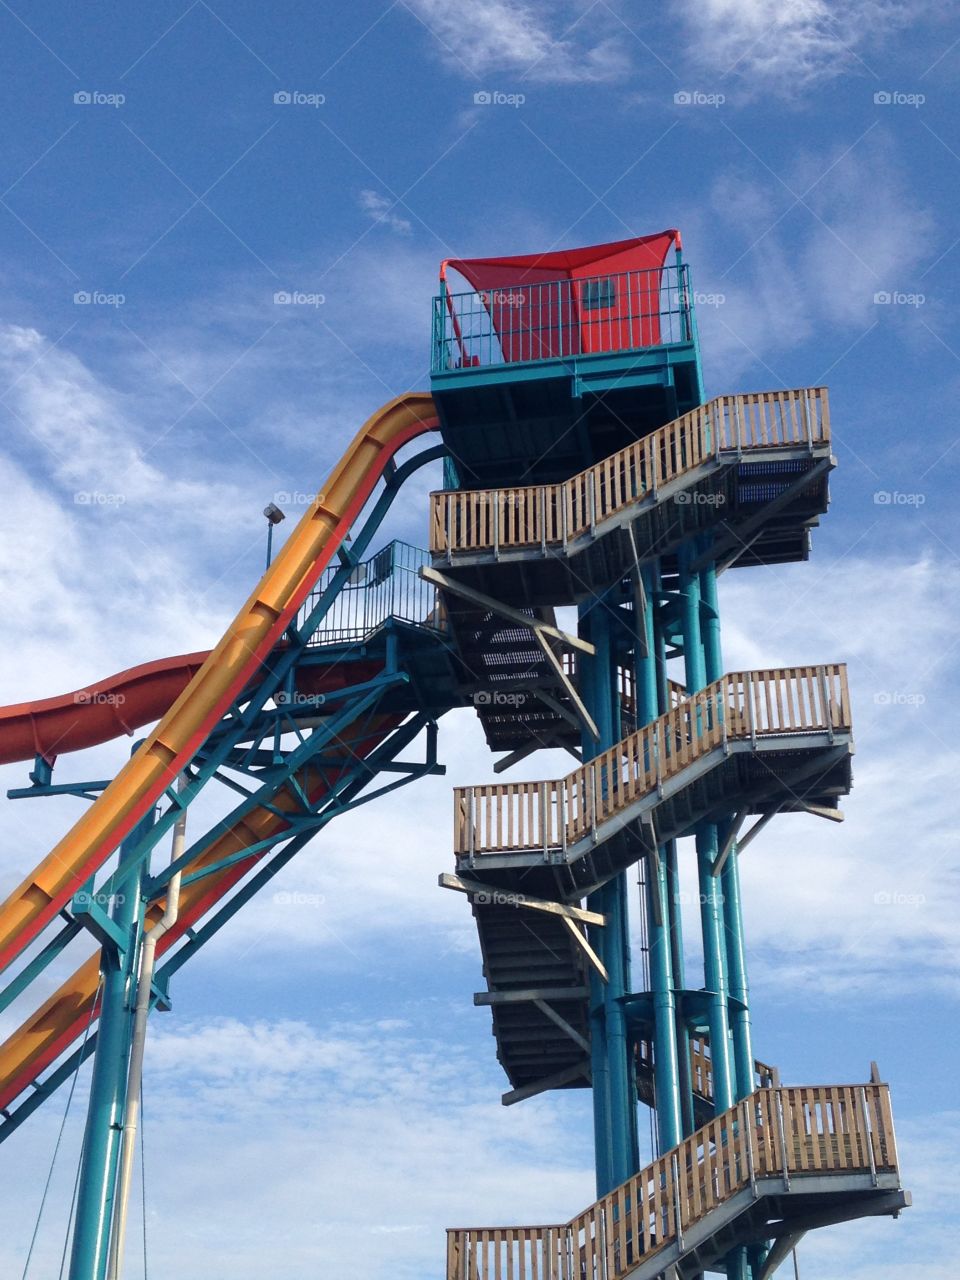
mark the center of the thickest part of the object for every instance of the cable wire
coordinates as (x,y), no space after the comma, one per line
(143,1184)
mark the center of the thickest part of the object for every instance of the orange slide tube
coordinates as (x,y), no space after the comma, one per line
(246,645)
(97,713)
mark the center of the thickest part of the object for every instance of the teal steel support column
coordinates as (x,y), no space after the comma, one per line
(614,1089)
(741,1070)
(730,876)
(666,1064)
(711,905)
(101,1140)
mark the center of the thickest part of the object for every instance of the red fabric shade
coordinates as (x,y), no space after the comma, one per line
(608,314)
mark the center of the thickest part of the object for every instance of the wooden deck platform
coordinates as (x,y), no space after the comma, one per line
(752,468)
(779,1163)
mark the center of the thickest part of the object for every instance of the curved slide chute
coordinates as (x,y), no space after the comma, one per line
(245,647)
(97,713)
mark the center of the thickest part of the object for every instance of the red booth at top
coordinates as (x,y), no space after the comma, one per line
(604,298)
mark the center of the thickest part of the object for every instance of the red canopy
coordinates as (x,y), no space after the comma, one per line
(620,307)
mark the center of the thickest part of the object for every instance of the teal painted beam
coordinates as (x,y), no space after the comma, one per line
(101,1140)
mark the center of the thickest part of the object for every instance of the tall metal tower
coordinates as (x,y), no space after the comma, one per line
(589,473)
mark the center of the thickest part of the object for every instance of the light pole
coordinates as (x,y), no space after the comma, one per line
(274,516)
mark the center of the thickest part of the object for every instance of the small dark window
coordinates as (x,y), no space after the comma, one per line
(595,295)
(382,566)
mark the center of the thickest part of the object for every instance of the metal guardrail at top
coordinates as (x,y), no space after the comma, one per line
(775,1134)
(546,515)
(518,816)
(387,586)
(554,319)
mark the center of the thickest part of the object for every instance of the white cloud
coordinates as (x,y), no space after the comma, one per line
(852,909)
(784,46)
(785,268)
(272,1144)
(348,1149)
(537,41)
(380,209)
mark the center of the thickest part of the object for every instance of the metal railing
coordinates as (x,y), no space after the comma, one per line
(777,1134)
(520,816)
(550,320)
(387,586)
(547,515)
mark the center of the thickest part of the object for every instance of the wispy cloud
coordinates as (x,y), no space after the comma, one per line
(380,208)
(787,45)
(540,42)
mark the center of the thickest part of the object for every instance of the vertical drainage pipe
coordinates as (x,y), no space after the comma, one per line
(131,1118)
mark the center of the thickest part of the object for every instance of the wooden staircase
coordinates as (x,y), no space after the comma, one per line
(777,740)
(752,742)
(779,1163)
(752,468)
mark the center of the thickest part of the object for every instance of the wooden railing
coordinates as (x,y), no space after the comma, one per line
(742,705)
(701,1066)
(491,519)
(779,1133)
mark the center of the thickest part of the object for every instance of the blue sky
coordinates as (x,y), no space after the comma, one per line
(814,174)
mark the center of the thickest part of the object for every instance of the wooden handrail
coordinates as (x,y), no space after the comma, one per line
(826,1129)
(488,519)
(741,705)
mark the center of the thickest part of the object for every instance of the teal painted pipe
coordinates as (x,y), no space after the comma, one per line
(599,1060)
(737,968)
(666,1066)
(614,1091)
(101,1139)
(696,640)
(740,1071)
(714,967)
(730,876)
